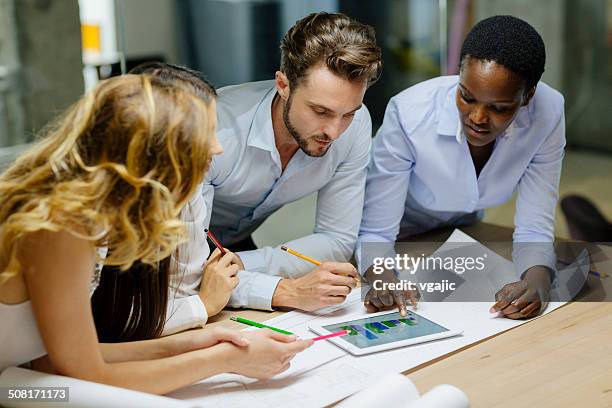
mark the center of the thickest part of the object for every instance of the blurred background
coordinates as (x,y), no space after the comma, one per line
(51,51)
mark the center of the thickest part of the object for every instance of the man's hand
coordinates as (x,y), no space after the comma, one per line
(327,285)
(378,300)
(526,298)
(219,278)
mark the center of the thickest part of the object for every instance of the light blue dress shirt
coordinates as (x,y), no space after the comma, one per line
(246,184)
(421,175)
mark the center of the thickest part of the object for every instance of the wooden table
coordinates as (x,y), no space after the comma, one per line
(562,359)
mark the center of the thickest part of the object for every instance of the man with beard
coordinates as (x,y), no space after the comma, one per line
(305,131)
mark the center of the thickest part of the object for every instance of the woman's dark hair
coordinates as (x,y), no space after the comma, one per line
(508,41)
(174,74)
(131,305)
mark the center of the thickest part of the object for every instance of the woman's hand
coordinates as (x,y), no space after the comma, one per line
(526,298)
(203,338)
(219,278)
(268,353)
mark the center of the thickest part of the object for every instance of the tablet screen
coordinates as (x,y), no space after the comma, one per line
(385,329)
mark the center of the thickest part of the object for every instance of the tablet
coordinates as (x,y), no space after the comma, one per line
(384,331)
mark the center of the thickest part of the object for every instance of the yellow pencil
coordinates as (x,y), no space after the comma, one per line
(304,257)
(311,260)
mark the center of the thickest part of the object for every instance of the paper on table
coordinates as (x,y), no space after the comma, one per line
(441,396)
(397,391)
(319,353)
(570,280)
(81,393)
(236,390)
(391,391)
(348,374)
(472,284)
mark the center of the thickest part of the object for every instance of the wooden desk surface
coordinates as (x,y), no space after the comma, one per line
(561,359)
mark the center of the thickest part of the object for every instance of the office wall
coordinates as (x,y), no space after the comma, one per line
(151,29)
(49,47)
(11,107)
(546,16)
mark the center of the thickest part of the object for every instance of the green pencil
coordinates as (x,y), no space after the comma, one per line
(255,324)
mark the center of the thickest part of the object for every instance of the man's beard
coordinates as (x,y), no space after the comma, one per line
(302,141)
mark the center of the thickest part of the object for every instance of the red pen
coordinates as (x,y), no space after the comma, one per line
(214,240)
(329,336)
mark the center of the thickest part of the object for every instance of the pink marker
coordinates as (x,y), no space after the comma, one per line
(329,336)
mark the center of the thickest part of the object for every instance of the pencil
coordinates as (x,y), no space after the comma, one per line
(329,336)
(304,257)
(255,324)
(214,240)
(311,260)
(599,274)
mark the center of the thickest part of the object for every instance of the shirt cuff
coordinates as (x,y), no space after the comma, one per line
(254,291)
(263,291)
(252,260)
(184,314)
(370,247)
(529,254)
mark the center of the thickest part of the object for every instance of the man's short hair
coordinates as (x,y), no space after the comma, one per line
(346,47)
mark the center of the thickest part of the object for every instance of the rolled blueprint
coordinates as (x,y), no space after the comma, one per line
(441,396)
(397,391)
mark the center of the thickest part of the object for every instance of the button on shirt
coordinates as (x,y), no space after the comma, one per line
(246,184)
(421,175)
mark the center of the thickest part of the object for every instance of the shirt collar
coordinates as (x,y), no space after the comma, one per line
(261,133)
(449,115)
(523,117)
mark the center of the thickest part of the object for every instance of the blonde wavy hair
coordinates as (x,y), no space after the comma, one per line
(115,169)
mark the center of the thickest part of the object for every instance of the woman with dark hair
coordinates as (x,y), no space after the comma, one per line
(453,146)
(154,300)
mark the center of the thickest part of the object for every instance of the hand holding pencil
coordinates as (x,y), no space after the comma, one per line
(219,277)
(314,261)
(326,285)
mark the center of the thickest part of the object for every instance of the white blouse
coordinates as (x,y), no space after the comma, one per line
(20,338)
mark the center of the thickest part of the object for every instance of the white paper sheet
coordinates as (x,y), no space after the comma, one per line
(397,391)
(391,391)
(348,374)
(441,396)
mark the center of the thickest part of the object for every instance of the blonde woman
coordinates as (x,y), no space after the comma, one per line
(113,172)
